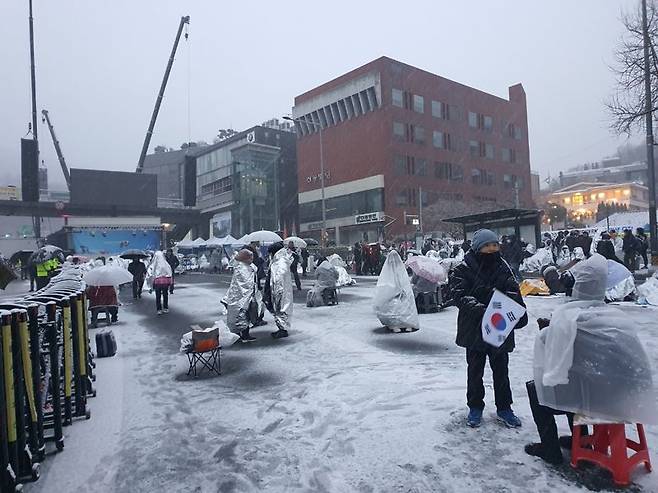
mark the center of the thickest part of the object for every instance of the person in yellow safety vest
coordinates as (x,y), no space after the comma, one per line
(42,274)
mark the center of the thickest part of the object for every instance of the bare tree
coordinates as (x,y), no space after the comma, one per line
(627,105)
(224,133)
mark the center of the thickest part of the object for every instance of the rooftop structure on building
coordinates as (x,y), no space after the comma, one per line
(395,137)
(609,170)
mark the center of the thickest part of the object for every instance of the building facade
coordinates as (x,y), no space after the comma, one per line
(396,139)
(582,200)
(244,183)
(609,170)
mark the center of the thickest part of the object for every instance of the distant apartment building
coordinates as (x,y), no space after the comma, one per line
(582,199)
(608,170)
(393,137)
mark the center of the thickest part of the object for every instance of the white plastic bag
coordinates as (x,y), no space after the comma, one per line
(649,291)
(394,298)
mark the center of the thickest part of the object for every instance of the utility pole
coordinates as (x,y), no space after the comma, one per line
(36,220)
(516,194)
(649,124)
(420,209)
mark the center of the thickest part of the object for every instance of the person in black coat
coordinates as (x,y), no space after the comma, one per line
(173,262)
(631,247)
(643,245)
(606,248)
(138,270)
(293,266)
(472,284)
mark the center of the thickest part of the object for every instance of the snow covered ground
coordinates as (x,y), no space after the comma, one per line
(341,405)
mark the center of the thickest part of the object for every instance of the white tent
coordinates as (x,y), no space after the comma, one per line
(214,242)
(185,244)
(199,242)
(229,240)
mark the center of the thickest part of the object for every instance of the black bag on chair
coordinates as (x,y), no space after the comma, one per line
(106,344)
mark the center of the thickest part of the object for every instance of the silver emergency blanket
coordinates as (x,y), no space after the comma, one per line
(620,282)
(395,305)
(344,279)
(589,359)
(238,296)
(541,257)
(281,286)
(326,278)
(648,292)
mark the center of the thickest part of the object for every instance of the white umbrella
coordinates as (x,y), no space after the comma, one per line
(296,240)
(107,275)
(427,268)
(262,236)
(199,242)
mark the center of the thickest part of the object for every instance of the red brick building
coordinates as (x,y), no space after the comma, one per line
(391,133)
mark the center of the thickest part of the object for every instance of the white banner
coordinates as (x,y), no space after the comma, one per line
(500,318)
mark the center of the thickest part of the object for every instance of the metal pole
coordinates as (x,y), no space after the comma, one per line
(324,211)
(420,210)
(649,125)
(36,220)
(277,205)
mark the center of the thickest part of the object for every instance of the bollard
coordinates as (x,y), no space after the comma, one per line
(7,474)
(68,360)
(55,373)
(35,354)
(26,465)
(10,396)
(79,361)
(30,393)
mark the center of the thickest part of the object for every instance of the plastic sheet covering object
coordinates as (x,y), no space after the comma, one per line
(327,277)
(620,282)
(542,257)
(344,279)
(649,291)
(589,359)
(534,287)
(394,298)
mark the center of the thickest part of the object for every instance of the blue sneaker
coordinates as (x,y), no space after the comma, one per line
(509,418)
(474,419)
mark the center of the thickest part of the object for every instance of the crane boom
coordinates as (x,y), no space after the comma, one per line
(58,150)
(147,140)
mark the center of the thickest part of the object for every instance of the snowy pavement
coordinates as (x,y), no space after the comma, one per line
(341,405)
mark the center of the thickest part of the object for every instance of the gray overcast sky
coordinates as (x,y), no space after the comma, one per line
(99,66)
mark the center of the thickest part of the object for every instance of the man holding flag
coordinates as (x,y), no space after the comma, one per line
(490,307)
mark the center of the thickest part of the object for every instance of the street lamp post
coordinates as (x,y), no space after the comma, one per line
(323,230)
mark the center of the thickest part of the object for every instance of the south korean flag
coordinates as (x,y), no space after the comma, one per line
(500,318)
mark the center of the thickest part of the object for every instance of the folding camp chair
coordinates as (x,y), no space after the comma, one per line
(205,352)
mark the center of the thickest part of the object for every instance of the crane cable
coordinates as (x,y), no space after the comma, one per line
(189,84)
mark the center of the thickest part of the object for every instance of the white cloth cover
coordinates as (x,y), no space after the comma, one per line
(394,298)
(649,291)
(281,286)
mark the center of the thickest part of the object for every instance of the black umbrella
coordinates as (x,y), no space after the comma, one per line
(134,254)
(47,252)
(22,255)
(311,241)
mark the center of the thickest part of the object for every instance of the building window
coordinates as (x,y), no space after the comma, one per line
(472,119)
(488,123)
(397,97)
(437,109)
(443,111)
(419,134)
(419,104)
(482,177)
(513,131)
(437,139)
(421,167)
(401,198)
(399,165)
(398,131)
(482,122)
(489,151)
(474,148)
(449,171)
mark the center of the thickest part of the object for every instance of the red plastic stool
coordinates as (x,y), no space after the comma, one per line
(607,447)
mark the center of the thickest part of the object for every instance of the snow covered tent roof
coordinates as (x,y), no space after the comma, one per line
(185,244)
(199,242)
(214,242)
(229,240)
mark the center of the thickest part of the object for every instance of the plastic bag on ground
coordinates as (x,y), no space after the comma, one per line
(394,298)
(542,257)
(649,291)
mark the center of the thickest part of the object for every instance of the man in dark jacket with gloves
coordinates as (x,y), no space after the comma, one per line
(472,283)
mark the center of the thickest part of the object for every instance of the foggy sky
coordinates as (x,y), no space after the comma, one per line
(100,63)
